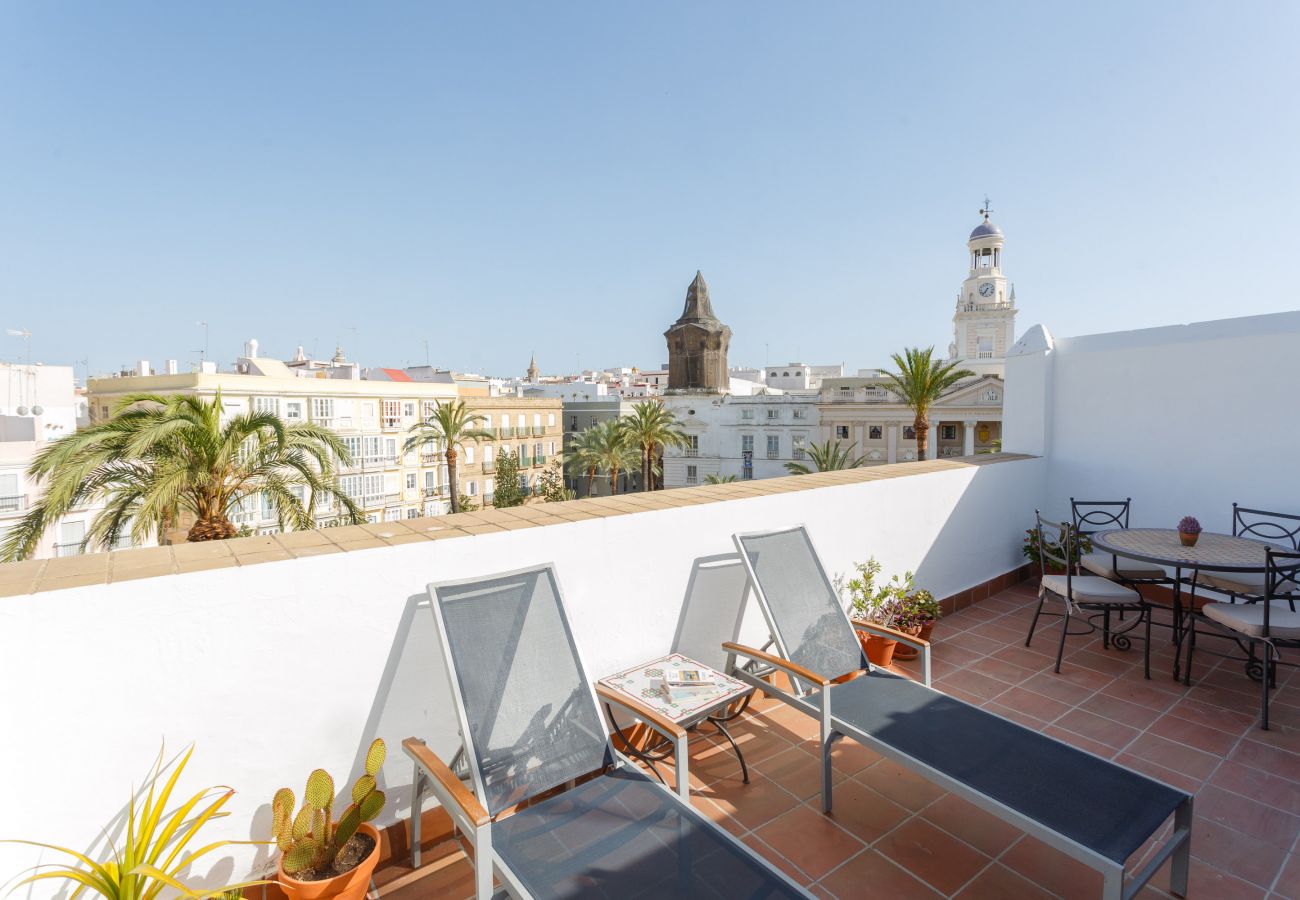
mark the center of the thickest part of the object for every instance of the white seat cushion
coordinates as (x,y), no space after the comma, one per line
(1092,589)
(1248,618)
(1243,583)
(1100,563)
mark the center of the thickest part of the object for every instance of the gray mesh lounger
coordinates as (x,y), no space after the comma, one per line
(1088,807)
(532,734)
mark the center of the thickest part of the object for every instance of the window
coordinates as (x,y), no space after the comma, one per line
(392,515)
(408,410)
(519,420)
(909,433)
(371,444)
(473,489)
(692,445)
(322,408)
(374,487)
(392,413)
(746,443)
(390,448)
(413,514)
(692,475)
(552,449)
(293,410)
(948,432)
(773,446)
(875,432)
(573,423)
(550,420)
(537,420)
(428,408)
(266,405)
(798,444)
(774,414)
(268,506)
(487,454)
(537,452)
(799,413)
(410,481)
(747,414)
(368,409)
(469,455)
(353,445)
(842,432)
(351,485)
(593,421)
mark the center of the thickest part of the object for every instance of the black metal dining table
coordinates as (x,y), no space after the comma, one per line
(1212,552)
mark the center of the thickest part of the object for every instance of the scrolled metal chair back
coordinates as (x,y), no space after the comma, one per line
(1282,572)
(1060,551)
(1266,525)
(1097,515)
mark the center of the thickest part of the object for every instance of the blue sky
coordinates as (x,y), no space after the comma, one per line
(497,179)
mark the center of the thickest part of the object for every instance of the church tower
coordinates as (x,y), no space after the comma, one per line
(984,324)
(697,345)
(533,372)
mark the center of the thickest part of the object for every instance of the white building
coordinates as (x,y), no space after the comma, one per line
(746,436)
(984,323)
(38,404)
(795,376)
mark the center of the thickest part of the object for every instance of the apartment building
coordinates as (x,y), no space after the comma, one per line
(373,417)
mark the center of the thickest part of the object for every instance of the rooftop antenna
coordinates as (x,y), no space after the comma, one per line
(988,208)
(204,326)
(426,353)
(27,341)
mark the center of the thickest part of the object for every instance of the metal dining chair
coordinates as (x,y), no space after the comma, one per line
(1260,525)
(1086,596)
(1091,516)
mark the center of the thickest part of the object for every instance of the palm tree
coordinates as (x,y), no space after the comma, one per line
(719,479)
(582,457)
(827,457)
(161,456)
(919,382)
(613,452)
(449,425)
(649,428)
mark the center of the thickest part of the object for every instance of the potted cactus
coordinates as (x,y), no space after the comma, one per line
(322,858)
(1189,530)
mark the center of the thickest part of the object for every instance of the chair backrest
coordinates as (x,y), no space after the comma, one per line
(1262,525)
(1098,515)
(712,610)
(799,602)
(1280,577)
(527,713)
(1055,544)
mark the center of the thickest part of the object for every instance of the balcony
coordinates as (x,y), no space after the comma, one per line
(72,548)
(489,464)
(16,503)
(505,432)
(957,523)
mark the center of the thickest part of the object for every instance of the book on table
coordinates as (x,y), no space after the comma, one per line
(687,684)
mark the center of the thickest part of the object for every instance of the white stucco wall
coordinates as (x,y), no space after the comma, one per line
(281,667)
(1185,419)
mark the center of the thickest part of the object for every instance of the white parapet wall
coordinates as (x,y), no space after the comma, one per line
(277,668)
(1184,419)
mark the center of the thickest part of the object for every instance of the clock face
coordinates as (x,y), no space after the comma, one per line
(986,289)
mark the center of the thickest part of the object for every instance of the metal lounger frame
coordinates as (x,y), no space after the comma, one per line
(1178,846)
(480,835)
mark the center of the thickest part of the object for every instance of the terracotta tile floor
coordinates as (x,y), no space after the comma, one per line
(894,833)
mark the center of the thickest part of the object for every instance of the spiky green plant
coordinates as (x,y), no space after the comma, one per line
(921,380)
(829,456)
(313,838)
(153,853)
(649,429)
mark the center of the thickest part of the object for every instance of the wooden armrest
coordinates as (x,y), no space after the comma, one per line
(783,664)
(886,631)
(669,728)
(451,785)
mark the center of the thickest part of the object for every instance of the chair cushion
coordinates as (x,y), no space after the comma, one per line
(1251,583)
(1248,618)
(623,835)
(1103,564)
(1092,589)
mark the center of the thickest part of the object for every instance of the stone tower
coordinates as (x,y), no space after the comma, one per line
(984,323)
(533,372)
(697,345)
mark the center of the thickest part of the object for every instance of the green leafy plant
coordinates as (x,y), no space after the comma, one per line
(155,849)
(313,838)
(880,604)
(1080,545)
(506,491)
(828,456)
(917,609)
(551,484)
(719,479)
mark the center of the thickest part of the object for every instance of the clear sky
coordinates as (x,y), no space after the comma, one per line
(496,179)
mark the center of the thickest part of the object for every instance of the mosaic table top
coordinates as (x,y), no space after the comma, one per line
(1213,551)
(644,683)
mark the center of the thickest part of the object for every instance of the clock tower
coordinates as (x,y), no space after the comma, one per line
(984,324)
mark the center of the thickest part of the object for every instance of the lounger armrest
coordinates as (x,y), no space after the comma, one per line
(783,664)
(665,726)
(659,723)
(886,631)
(443,781)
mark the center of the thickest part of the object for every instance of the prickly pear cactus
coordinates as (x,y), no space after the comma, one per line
(312,838)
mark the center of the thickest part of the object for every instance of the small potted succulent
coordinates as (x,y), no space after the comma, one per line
(880,605)
(920,611)
(323,858)
(1189,530)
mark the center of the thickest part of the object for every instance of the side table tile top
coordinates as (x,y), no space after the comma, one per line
(644,682)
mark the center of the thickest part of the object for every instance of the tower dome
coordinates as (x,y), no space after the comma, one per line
(985,229)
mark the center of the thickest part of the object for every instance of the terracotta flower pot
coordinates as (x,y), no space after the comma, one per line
(1188,538)
(351,885)
(906,652)
(879,650)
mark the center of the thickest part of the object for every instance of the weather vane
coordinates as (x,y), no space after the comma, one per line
(988,208)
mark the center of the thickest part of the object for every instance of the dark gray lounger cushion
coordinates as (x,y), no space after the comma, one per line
(624,837)
(1094,802)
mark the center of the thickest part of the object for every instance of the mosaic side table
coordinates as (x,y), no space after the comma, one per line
(644,683)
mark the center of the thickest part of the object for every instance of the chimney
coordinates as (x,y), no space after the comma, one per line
(252,348)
